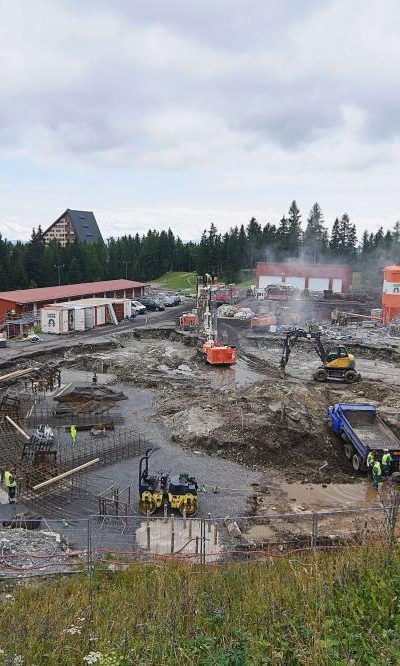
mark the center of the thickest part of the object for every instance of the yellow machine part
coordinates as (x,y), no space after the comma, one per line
(345,362)
(184,503)
(149,502)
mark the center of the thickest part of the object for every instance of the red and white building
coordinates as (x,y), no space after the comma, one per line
(22,301)
(314,277)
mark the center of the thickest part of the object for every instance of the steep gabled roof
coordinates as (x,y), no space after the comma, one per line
(84,224)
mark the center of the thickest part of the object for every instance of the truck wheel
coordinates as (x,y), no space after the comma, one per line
(356,460)
(348,450)
(321,375)
(351,376)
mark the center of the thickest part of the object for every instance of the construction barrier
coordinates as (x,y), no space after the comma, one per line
(39,546)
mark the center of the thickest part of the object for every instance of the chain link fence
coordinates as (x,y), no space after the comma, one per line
(42,547)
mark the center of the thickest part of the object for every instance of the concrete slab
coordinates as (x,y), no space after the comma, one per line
(178,537)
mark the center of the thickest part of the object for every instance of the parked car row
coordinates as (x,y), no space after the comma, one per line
(156,302)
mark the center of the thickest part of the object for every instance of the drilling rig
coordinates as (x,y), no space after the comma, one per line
(214,353)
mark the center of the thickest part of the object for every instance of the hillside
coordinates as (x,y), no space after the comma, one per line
(176,280)
(307,609)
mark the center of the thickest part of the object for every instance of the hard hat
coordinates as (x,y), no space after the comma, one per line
(386,450)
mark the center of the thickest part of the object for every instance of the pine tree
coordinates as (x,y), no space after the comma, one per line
(336,241)
(316,235)
(295,235)
(283,244)
(74,272)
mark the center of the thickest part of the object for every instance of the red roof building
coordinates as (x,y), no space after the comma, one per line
(27,300)
(314,277)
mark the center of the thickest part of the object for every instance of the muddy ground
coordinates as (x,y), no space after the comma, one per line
(262,441)
(248,414)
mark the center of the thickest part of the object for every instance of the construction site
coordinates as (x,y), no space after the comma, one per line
(200,436)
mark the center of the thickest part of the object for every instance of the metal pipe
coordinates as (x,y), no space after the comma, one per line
(148,530)
(172,533)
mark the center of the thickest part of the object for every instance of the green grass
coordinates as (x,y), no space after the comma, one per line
(330,609)
(177,281)
(246,283)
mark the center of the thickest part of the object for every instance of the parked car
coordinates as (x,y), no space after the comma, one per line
(33,337)
(136,306)
(168,301)
(152,303)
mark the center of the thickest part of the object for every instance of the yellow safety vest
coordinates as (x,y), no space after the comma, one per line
(9,480)
(386,459)
(377,470)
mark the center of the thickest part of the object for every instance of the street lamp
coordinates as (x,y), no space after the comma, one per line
(59,267)
(126,269)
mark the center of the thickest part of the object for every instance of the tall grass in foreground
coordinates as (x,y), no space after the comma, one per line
(335,609)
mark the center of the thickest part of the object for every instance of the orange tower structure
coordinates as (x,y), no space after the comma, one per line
(391,293)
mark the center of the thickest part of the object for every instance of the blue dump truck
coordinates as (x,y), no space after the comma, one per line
(362,431)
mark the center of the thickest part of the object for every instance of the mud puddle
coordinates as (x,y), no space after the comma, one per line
(237,376)
(305,497)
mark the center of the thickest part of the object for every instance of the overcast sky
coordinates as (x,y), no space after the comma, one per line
(185,112)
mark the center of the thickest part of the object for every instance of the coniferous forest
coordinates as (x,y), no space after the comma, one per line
(33,264)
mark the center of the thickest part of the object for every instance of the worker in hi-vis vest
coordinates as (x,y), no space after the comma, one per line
(73,432)
(10,485)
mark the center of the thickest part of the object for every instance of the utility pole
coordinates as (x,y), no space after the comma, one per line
(126,269)
(59,267)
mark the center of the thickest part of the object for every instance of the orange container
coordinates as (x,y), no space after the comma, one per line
(219,354)
(189,320)
(263,322)
(391,293)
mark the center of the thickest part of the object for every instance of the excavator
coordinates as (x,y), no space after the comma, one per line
(337,363)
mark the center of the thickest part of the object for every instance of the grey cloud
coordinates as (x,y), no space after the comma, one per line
(257,68)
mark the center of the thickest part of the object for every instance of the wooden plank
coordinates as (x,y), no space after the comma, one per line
(89,426)
(64,475)
(17,427)
(61,390)
(16,374)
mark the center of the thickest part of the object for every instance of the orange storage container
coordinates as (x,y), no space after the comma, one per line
(263,322)
(189,320)
(391,293)
(220,355)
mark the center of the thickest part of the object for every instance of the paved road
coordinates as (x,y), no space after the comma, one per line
(16,351)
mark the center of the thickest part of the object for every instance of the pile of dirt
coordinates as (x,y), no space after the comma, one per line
(270,424)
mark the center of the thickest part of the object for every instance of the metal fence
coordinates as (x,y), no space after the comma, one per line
(69,545)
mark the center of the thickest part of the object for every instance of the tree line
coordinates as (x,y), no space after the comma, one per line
(146,257)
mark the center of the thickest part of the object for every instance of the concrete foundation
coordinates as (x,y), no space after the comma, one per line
(176,536)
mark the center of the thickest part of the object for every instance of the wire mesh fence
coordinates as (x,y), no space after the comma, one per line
(34,546)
